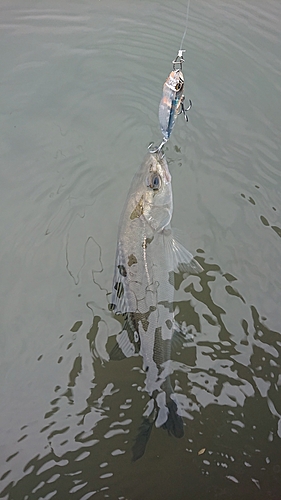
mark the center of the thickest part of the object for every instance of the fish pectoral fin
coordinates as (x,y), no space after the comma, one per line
(157,217)
(183,260)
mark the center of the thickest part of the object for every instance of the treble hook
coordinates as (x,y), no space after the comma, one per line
(157,149)
(184,110)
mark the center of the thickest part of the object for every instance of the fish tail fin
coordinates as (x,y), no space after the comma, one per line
(142,438)
(174,422)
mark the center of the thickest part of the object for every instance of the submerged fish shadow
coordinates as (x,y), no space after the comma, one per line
(173,424)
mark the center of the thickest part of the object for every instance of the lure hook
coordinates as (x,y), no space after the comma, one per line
(184,110)
(158,148)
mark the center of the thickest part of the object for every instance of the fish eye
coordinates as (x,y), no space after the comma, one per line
(154,182)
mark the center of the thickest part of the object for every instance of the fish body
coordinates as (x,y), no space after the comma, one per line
(146,258)
(171,102)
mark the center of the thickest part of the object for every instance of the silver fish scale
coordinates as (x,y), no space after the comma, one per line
(146,257)
(142,265)
(139,254)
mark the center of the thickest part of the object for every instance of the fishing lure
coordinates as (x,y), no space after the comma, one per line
(172,102)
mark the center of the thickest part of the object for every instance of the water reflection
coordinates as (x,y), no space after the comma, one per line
(227,379)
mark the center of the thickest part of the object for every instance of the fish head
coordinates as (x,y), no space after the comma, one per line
(155,191)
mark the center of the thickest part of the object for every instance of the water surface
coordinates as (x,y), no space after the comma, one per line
(80,87)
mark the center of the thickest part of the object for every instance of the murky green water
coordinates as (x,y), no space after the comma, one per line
(80,88)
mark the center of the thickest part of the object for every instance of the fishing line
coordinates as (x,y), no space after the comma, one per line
(186,19)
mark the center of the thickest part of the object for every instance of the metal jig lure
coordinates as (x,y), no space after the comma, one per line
(172,102)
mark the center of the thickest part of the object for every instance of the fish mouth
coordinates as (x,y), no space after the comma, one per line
(162,166)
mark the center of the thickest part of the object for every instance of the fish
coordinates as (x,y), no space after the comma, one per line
(147,256)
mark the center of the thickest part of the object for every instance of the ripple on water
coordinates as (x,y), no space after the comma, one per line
(82,95)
